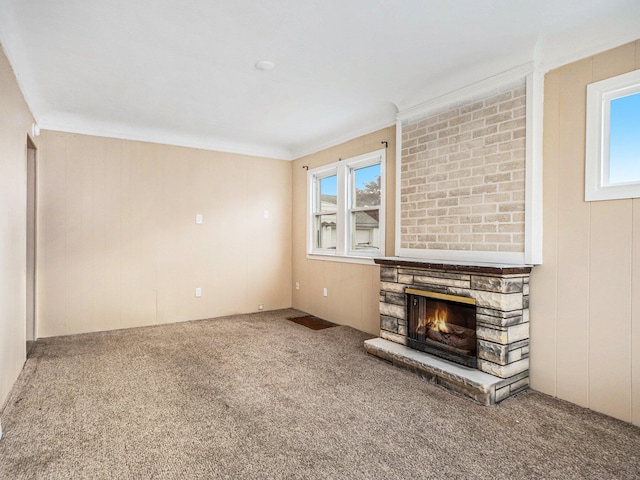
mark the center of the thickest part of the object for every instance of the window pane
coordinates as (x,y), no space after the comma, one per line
(326,231)
(365,230)
(327,188)
(624,139)
(366,186)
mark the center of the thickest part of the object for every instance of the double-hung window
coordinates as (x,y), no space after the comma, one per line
(346,207)
(612,168)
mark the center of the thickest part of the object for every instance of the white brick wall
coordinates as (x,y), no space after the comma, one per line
(463,176)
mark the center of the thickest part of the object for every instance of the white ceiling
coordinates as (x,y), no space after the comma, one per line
(182,72)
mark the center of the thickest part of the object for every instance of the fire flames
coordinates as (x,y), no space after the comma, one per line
(439,320)
(436,322)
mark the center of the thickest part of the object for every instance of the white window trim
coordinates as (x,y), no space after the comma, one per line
(599,96)
(341,168)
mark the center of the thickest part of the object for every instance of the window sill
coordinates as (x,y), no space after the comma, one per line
(341,258)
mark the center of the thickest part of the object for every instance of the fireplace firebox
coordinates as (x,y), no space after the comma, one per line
(443,325)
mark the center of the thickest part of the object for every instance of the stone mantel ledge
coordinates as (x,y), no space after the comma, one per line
(469,267)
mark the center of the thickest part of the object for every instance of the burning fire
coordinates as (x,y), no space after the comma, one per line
(437,322)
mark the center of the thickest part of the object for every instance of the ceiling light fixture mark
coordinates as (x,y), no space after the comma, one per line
(265,65)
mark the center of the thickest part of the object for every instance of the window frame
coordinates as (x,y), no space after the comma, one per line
(318,212)
(344,170)
(599,97)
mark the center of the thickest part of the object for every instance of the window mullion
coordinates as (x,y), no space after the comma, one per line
(342,206)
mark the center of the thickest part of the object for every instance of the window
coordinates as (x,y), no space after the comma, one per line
(613,138)
(346,207)
(326,214)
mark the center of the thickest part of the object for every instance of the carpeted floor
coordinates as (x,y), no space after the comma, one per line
(258,396)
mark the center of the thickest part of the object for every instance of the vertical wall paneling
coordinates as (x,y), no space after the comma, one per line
(233,284)
(74,206)
(139,179)
(300,266)
(610,280)
(634,327)
(544,279)
(606,65)
(97,233)
(110,308)
(595,302)
(610,308)
(173,222)
(271,187)
(15,124)
(573,239)
(635,294)
(130,253)
(51,224)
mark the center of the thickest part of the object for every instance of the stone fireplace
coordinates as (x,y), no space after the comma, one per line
(462,191)
(431,335)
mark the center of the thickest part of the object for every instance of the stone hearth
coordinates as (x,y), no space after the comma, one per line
(501,293)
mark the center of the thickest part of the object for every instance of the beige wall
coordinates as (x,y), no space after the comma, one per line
(15,122)
(118,245)
(585,297)
(353,290)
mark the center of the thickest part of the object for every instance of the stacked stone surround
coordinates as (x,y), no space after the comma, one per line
(462,175)
(502,311)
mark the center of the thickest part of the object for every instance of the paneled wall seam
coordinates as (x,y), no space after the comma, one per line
(589,239)
(630,338)
(557,246)
(635,353)
(631,289)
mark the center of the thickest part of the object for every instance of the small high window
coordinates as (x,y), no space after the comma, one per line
(624,140)
(346,207)
(613,138)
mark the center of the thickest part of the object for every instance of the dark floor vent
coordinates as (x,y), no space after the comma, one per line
(312,322)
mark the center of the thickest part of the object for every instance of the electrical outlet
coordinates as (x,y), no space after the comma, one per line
(198,292)
(297,285)
(199,219)
(324,292)
(261,307)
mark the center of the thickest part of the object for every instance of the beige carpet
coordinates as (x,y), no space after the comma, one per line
(258,396)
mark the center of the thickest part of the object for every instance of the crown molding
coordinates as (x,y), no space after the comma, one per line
(168,138)
(467,92)
(325,143)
